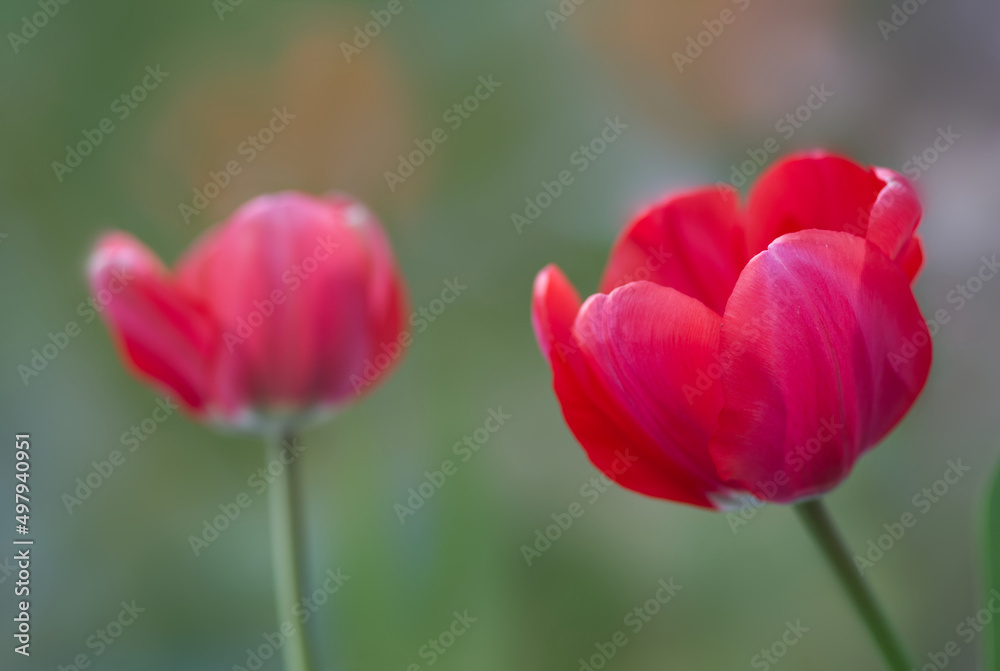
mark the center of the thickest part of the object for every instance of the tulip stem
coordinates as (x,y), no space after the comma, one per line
(816,518)
(288,549)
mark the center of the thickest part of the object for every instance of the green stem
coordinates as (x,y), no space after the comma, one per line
(816,518)
(288,551)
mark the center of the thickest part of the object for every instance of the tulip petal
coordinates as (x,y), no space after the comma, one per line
(387,302)
(811,191)
(894,215)
(166,333)
(826,192)
(911,259)
(826,351)
(554,306)
(601,419)
(692,242)
(286,281)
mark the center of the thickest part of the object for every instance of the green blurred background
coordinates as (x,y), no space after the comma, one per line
(893,91)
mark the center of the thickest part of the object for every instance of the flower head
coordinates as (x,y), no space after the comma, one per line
(759,348)
(273,315)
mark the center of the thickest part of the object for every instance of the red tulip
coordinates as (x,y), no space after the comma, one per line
(274,314)
(759,348)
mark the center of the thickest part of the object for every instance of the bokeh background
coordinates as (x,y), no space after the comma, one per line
(229,66)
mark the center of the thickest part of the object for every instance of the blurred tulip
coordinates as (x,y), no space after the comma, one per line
(271,316)
(756,349)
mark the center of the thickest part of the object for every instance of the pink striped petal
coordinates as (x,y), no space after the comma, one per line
(164,331)
(287,281)
(911,259)
(620,437)
(894,215)
(819,332)
(387,302)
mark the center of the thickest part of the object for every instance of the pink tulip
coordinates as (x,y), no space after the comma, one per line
(273,315)
(757,348)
